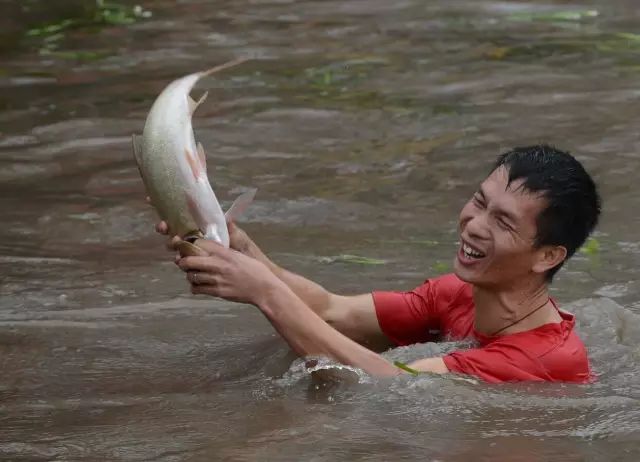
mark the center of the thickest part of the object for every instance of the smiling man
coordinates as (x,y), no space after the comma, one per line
(532,213)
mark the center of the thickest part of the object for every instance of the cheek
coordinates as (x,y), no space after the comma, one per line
(508,247)
(465,214)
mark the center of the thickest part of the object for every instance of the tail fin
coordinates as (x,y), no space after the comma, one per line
(221,67)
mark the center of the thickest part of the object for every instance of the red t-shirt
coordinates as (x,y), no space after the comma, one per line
(443,308)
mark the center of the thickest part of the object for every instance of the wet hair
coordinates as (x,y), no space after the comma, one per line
(573,203)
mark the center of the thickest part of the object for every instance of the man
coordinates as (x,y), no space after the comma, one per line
(532,213)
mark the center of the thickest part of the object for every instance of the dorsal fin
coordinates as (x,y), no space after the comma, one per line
(193,105)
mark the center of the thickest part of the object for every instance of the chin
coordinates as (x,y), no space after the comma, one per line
(462,273)
(468,276)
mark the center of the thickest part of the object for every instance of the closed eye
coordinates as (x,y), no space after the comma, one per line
(478,201)
(503,224)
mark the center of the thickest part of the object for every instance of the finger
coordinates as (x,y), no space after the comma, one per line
(205,290)
(172,244)
(206,264)
(211,247)
(162,227)
(148,200)
(201,279)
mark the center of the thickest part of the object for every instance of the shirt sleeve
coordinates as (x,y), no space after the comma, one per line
(496,364)
(408,317)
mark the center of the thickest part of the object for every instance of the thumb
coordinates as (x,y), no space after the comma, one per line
(209,246)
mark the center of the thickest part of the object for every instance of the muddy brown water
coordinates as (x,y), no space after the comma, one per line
(365,125)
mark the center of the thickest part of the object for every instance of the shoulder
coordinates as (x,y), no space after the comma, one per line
(447,287)
(552,352)
(565,355)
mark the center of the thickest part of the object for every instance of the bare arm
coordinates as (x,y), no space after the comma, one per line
(353,316)
(231,275)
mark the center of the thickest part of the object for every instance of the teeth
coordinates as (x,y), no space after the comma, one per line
(469,252)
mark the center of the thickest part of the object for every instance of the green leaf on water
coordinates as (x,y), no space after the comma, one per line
(591,247)
(555,16)
(440,267)
(77,55)
(355,259)
(425,242)
(52,29)
(406,368)
(629,36)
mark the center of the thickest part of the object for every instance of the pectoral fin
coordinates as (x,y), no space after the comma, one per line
(136,142)
(196,214)
(193,104)
(195,165)
(240,205)
(202,157)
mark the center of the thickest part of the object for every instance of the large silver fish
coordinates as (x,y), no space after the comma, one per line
(173,167)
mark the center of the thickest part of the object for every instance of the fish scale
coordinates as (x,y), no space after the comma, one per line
(173,167)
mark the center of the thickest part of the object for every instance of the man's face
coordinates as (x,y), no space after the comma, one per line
(497,233)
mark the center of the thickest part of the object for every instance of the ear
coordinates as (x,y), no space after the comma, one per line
(549,256)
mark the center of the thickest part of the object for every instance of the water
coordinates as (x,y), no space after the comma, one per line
(365,125)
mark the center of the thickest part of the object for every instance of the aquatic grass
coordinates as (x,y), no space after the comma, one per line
(103,14)
(100,14)
(441,267)
(591,247)
(554,16)
(404,367)
(352,259)
(617,45)
(77,55)
(409,241)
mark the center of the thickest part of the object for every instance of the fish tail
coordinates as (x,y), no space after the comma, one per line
(221,67)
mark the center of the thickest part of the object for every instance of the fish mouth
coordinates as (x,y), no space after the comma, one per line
(193,236)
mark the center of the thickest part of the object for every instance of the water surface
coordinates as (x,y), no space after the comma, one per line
(365,125)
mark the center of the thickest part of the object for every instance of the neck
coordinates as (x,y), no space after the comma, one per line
(517,309)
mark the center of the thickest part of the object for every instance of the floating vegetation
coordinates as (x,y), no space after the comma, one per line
(406,368)
(591,247)
(353,259)
(619,44)
(555,16)
(100,14)
(77,55)
(441,267)
(411,241)
(340,84)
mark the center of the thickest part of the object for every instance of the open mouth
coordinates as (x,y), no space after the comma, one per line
(471,253)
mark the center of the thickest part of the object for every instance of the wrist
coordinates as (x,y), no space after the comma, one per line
(269,291)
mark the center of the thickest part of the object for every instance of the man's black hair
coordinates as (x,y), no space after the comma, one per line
(573,203)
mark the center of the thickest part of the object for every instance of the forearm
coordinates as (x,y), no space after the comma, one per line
(312,294)
(308,334)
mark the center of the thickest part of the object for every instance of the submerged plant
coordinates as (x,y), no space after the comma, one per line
(355,259)
(555,16)
(591,247)
(99,14)
(406,368)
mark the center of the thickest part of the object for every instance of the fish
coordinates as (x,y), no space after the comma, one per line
(173,167)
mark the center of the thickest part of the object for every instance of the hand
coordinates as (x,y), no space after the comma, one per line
(228,274)
(163,228)
(239,240)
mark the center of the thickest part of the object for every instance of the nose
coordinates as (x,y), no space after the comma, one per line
(477,226)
